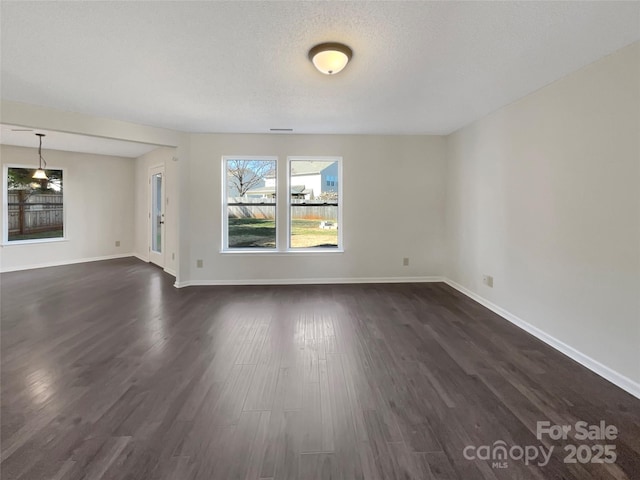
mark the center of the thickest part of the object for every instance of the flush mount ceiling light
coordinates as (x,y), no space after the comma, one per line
(330,58)
(40,173)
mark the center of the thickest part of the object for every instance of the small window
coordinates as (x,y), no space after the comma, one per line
(249,203)
(314,205)
(34,208)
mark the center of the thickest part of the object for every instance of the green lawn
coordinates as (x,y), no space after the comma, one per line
(261,233)
(252,232)
(35,236)
(307,233)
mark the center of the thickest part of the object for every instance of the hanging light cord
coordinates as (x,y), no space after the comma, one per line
(42,160)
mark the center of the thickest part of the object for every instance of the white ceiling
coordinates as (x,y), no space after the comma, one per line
(418,67)
(71,142)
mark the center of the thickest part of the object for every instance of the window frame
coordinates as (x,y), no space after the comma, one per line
(323,250)
(5,207)
(224,246)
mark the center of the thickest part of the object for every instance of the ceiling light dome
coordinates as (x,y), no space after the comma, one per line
(330,58)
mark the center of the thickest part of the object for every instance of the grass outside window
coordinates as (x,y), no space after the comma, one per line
(260,233)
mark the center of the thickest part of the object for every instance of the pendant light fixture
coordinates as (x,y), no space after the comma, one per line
(330,58)
(40,174)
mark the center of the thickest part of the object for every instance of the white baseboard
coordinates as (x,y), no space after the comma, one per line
(170,272)
(308,281)
(605,372)
(66,262)
(141,257)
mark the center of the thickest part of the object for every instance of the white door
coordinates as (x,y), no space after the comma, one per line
(156,216)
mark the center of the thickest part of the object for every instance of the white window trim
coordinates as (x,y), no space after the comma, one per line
(224,248)
(322,250)
(5,208)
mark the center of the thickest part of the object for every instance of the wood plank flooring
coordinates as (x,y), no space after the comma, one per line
(108,372)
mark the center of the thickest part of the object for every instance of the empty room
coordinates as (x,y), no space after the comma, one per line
(320,240)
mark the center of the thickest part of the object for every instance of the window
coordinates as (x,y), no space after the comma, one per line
(249,203)
(34,209)
(314,203)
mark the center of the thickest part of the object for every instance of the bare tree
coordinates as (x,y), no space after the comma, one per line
(246,174)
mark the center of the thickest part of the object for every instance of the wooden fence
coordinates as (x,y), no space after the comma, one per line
(35,213)
(265,208)
(259,207)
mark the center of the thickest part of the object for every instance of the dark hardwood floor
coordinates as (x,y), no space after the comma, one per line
(108,372)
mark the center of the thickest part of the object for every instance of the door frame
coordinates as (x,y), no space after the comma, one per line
(154,257)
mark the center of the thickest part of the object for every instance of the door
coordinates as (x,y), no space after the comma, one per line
(156,216)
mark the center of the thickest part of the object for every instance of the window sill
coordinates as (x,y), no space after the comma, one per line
(315,250)
(245,251)
(34,241)
(298,251)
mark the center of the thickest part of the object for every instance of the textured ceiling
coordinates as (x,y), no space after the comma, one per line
(71,142)
(418,67)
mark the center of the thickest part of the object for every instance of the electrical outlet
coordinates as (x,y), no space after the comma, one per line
(117,243)
(199,263)
(173,256)
(405,261)
(487,280)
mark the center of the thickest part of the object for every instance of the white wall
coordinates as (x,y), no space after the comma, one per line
(160,156)
(545,196)
(404,218)
(98,196)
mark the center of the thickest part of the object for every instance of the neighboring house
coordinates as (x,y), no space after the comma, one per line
(309,179)
(262,191)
